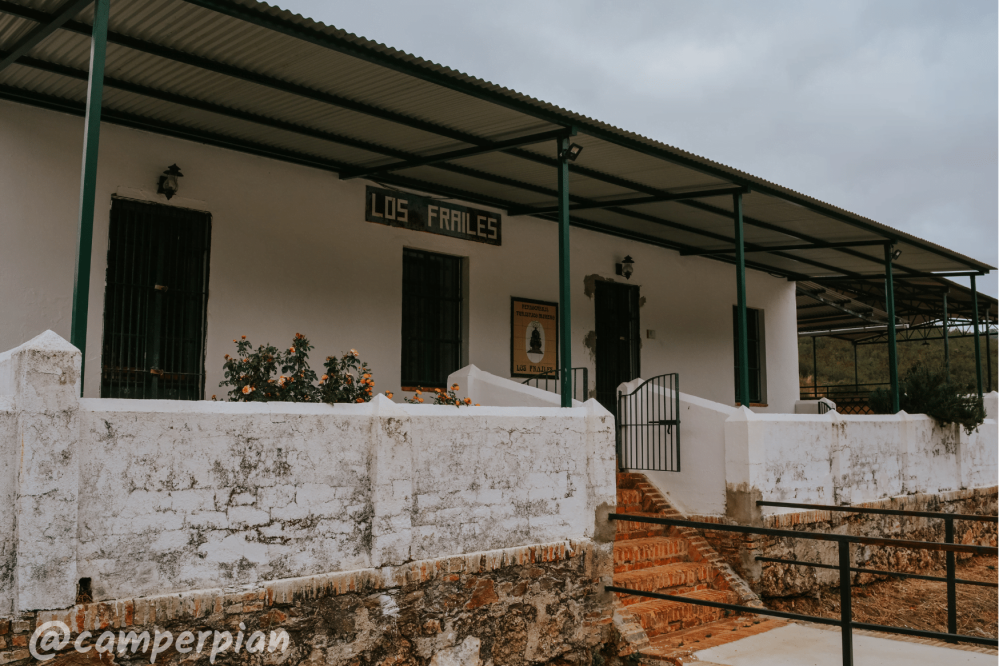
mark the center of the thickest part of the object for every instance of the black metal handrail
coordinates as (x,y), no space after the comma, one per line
(948,519)
(812,392)
(843,541)
(580,382)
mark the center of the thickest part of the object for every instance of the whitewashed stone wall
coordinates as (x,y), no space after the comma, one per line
(152,497)
(733,457)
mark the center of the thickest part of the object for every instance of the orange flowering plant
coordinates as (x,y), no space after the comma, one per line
(346,379)
(441,397)
(251,374)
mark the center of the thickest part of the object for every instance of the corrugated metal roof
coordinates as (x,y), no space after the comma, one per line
(253,77)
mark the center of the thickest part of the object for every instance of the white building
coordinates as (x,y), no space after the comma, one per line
(267,234)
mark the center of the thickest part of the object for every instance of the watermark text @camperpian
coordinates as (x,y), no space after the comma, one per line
(52,637)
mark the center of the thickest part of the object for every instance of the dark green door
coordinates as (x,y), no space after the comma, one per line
(155,302)
(617,329)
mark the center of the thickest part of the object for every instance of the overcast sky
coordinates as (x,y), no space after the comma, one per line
(888,109)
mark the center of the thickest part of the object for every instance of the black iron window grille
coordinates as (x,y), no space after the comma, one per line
(155,302)
(431,318)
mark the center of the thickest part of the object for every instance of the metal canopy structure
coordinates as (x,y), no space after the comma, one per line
(854,310)
(251,77)
(247,76)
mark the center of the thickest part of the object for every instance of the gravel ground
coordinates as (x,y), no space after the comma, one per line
(916,604)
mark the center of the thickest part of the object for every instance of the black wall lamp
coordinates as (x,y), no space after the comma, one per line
(571,153)
(626,267)
(168,181)
(896,254)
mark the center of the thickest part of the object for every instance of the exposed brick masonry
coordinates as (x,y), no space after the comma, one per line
(535,604)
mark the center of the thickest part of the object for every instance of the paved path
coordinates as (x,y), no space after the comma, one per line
(797,645)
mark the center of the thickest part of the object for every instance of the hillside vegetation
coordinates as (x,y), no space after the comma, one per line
(835,360)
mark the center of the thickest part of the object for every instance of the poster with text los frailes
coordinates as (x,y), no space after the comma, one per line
(533,337)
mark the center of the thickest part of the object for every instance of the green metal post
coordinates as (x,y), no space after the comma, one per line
(815,368)
(978,342)
(88,181)
(564,309)
(856,372)
(946,338)
(988,352)
(742,344)
(892,342)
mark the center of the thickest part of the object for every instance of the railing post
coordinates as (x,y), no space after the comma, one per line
(845,603)
(951,585)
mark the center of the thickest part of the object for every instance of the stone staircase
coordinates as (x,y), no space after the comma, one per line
(675,561)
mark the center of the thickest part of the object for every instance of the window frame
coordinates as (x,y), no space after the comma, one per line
(448,350)
(756,343)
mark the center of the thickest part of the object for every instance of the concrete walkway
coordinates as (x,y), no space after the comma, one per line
(798,645)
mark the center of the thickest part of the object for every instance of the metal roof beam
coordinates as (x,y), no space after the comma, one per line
(842,301)
(781,248)
(500,97)
(64,13)
(433,160)
(420,71)
(833,303)
(876,276)
(329,136)
(633,201)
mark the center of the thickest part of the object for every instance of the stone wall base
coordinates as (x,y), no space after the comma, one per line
(781,580)
(534,604)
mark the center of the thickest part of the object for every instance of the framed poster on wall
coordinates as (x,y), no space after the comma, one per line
(533,337)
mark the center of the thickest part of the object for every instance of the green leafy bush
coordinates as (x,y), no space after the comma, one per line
(925,391)
(251,374)
(442,397)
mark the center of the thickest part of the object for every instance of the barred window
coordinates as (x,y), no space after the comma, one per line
(431,318)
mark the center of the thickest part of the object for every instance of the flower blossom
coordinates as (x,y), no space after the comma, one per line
(247,390)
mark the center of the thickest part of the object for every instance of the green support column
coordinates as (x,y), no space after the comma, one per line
(88,181)
(946,338)
(742,344)
(564,291)
(988,352)
(978,342)
(815,368)
(856,372)
(892,342)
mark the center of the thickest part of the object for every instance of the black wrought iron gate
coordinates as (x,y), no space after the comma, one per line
(648,426)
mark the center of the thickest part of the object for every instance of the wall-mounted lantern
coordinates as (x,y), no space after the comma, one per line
(626,267)
(168,181)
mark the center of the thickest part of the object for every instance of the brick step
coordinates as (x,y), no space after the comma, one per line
(659,616)
(632,599)
(633,554)
(663,578)
(628,508)
(678,645)
(628,529)
(628,479)
(629,496)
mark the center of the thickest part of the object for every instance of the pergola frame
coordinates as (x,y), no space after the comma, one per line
(562,213)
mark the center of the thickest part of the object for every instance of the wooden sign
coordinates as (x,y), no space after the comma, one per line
(419,213)
(533,337)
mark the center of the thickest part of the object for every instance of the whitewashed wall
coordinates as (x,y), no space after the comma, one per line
(152,497)
(291,252)
(733,457)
